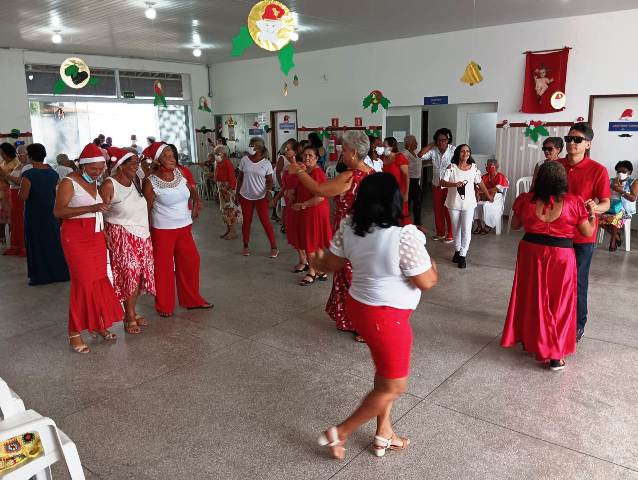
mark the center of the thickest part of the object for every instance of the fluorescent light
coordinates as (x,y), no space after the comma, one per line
(150,12)
(56,37)
(196,38)
(195,23)
(294,36)
(197,52)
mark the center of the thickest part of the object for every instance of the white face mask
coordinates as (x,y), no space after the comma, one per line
(387,151)
(218,158)
(251,150)
(379,150)
(622,176)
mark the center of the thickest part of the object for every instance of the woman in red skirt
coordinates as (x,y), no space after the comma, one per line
(313,217)
(93,305)
(17,246)
(380,301)
(343,188)
(542,310)
(395,163)
(128,236)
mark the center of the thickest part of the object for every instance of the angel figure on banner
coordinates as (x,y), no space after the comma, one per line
(542,81)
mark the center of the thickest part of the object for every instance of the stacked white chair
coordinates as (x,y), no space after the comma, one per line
(523,185)
(16,421)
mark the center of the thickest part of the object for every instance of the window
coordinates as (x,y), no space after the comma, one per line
(142,84)
(42,78)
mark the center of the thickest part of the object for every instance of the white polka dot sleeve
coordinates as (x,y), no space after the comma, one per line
(336,245)
(413,257)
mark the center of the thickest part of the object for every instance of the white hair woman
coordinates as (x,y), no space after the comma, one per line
(489,212)
(343,188)
(226,185)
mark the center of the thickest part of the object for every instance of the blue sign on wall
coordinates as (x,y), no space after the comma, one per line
(441,100)
(255,131)
(623,126)
(287,126)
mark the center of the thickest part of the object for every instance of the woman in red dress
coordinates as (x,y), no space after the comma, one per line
(343,188)
(397,165)
(17,246)
(313,216)
(542,310)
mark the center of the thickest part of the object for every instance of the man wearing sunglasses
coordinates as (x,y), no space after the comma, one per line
(590,180)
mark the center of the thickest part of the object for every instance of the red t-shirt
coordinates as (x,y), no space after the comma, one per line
(499,179)
(394,169)
(225,172)
(187,175)
(573,214)
(589,180)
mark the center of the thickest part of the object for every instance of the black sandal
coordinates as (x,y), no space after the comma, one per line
(301,270)
(322,277)
(305,282)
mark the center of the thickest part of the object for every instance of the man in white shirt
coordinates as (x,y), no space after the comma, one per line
(415,169)
(440,154)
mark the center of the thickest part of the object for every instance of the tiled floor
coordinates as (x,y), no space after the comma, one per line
(243,391)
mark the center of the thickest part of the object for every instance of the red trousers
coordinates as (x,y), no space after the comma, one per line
(441,213)
(175,256)
(247,208)
(17,226)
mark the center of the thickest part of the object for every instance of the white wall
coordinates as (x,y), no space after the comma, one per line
(600,63)
(13,94)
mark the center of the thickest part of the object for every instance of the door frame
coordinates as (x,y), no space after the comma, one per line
(593,98)
(273,126)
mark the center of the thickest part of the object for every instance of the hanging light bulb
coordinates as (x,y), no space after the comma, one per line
(197,52)
(295,81)
(150,12)
(56,38)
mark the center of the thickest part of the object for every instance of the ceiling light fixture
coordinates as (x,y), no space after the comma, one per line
(195,23)
(197,40)
(197,52)
(150,12)
(56,37)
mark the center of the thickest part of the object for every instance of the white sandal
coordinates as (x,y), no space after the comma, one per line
(330,439)
(381,444)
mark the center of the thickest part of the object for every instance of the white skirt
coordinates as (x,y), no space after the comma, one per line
(490,212)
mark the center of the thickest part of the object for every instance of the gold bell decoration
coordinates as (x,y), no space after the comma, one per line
(472,74)
(285,89)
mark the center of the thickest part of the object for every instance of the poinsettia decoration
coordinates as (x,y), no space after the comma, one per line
(160,99)
(323,133)
(373,133)
(535,129)
(375,99)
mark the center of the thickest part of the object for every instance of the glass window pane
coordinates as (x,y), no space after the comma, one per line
(41,80)
(143,83)
(482,133)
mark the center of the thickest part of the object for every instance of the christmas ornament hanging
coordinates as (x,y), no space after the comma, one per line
(285,89)
(203,104)
(160,99)
(74,73)
(295,81)
(558,101)
(375,99)
(535,129)
(271,25)
(472,74)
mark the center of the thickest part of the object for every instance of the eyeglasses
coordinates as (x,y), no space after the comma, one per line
(548,149)
(575,139)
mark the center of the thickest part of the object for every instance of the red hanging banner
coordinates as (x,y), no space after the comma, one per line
(545,74)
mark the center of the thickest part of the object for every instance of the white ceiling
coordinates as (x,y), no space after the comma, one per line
(119,27)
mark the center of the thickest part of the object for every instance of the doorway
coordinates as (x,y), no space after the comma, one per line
(284,127)
(425,139)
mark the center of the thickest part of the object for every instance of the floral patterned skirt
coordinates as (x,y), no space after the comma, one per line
(231,213)
(336,306)
(131,262)
(614,219)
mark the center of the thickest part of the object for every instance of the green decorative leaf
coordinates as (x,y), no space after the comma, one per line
(71,70)
(375,108)
(59,87)
(367,101)
(286,58)
(93,81)
(542,130)
(241,42)
(385,103)
(534,135)
(159,100)
(528,131)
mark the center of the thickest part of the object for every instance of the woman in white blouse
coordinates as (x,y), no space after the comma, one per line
(390,268)
(460,177)
(254,187)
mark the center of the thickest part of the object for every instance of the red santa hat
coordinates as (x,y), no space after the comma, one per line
(273,12)
(91,154)
(119,155)
(154,150)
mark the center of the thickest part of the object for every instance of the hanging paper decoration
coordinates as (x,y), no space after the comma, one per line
(472,74)
(323,133)
(506,124)
(160,99)
(203,104)
(285,89)
(373,133)
(271,26)
(558,101)
(74,73)
(295,81)
(15,133)
(535,129)
(545,74)
(627,115)
(375,99)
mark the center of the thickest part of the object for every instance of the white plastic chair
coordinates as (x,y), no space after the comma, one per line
(499,224)
(10,402)
(523,185)
(627,228)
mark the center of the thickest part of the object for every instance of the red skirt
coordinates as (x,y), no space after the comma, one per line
(314,231)
(291,222)
(92,304)
(542,310)
(131,262)
(388,334)
(17,246)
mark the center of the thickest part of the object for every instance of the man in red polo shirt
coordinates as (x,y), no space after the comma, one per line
(590,180)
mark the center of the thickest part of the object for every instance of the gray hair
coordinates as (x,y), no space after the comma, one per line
(358,141)
(259,143)
(221,150)
(409,138)
(21,150)
(492,161)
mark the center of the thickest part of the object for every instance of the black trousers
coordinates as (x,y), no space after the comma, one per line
(415,200)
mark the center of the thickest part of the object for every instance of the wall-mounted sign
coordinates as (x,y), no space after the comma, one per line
(440,100)
(358,122)
(334,122)
(128,94)
(287,126)
(255,131)
(623,126)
